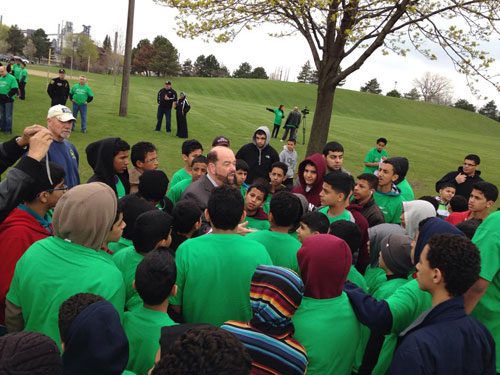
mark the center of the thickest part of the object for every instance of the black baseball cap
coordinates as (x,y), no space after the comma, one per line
(62,71)
(168,83)
(220,141)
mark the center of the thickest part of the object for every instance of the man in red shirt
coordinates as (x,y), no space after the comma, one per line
(483,196)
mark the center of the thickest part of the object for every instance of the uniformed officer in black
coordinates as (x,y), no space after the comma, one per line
(166,97)
(58,89)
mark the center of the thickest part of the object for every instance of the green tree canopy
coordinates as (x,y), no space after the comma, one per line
(490,110)
(372,87)
(165,60)
(394,93)
(464,104)
(259,73)
(243,71)
(41,42)
(16,40)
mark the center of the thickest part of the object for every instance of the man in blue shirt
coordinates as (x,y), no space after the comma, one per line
(63,152)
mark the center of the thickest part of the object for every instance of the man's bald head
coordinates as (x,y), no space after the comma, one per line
(221,165)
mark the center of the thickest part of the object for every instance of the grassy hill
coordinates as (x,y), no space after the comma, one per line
(434,138)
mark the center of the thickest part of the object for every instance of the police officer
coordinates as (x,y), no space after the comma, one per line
(58,89)
(166,97)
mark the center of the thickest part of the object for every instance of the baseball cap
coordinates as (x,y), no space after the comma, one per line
(61,112)
(168,83)
(62,71)
(220,141)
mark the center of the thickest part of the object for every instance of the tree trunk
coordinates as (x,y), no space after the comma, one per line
(322,115)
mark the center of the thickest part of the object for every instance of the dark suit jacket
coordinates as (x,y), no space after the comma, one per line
(199,192)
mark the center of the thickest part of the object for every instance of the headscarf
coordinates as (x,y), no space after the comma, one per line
(396,251)
(275,295)
(85,214)
(312,195)
(376,234)
(96,342)
(415,212)
(324,262)
(29,353)
(431,227)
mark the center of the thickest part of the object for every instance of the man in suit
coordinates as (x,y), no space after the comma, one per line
(221,170)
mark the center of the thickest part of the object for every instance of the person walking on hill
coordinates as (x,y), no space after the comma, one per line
(292,124)
(166,97)
(182,107)
(58,89)
(81,94)
(279,113)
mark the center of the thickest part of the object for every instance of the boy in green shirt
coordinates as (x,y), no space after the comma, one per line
(388,196)
(375,156)
(312,223)
(152,230)
(81,94)
(144,157)
(186,222)
(214,270)
(189,150)
(241,176)
(447,191)
(8,91)
(255,215)
(198,169)
(23,80)
(336,190)
(154,282)
(283,217)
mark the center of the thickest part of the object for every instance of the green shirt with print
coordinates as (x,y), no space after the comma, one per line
(345,215)
(7,83)
(180,175)
(213,277)
(390,205)
(80,94)
(23,75)
(143,329)
(176,191)
(374,156)
(330,346)
(282,247)
(487,311)
(51,271)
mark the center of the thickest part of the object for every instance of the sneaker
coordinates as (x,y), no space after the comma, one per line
(84,131)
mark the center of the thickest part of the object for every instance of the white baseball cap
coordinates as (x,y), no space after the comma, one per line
(61,112)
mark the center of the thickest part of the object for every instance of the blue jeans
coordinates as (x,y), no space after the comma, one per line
(83,110)
(168,117)
(6,110)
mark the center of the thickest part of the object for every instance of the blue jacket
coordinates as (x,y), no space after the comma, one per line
(444,340)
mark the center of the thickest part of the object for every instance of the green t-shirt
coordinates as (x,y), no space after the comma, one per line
(143,330)
(23,75)
(243,191)
(406,191)
(355,277)
(122,243)
(345,215)
(406,305)
(487,311)
(180,175)
(257,224)
(16,70)
(330,345)
(176,191)
(127,261)
(282,247)
(7,83)
(373,156)
(390,205)
(266,206)
(278,116)
(374,277)
(213,277)
(364,334)
(51,271)
(120,189)
(81,93)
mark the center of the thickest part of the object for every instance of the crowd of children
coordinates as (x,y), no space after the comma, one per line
(246,263)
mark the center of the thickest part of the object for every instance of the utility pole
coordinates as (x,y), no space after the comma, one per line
(115,58)
(128,59)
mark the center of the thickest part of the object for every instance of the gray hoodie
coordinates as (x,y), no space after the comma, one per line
(291,159)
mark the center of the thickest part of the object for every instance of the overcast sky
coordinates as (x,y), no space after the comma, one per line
(255,47)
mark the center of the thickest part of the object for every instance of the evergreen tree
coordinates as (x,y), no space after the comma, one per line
(199,67)
(259,73)
(165,61)
(372,87)
(107,43)
(464,104)
(41,42)
(305,73)
(394,93)
(16,40)
(187,68)
(243,71)
(490,110)
(413,94)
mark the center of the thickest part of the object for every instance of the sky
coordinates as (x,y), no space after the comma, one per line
(255,46)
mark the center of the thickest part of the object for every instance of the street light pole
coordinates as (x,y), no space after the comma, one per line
(128,59)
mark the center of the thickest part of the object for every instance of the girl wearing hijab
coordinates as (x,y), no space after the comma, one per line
(70,262)
(181,109)
(275,295)
(413,213)
(324,262)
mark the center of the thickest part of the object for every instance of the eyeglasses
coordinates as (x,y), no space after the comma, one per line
(153,160)
(469,165)
(63,188)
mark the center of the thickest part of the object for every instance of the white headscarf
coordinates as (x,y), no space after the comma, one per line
(415,212)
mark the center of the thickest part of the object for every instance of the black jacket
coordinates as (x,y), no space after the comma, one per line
(172,97)
(293,120)
(464,189)
(58,88)
(445,340)
(100,156)
(259,160)
(371,212)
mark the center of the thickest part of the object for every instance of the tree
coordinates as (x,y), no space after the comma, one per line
(372,87)
(106,44)
(16,40)
(259,73)
(80,48)
(464,104)
(209,67)
(413,94)
(394,93)
(199,67)
(29,49)
(223,72)
(187,68)
(351,31)
(142,55)
(490,110)
(212,66)
(41,42)
(434,88)
(165,61)
(243,71)
(305,73)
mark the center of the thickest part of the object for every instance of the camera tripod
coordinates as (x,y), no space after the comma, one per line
(304,129)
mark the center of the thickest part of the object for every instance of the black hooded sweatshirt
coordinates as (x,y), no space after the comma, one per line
(100,155)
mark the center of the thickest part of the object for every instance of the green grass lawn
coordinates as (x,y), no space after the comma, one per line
(434,138)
